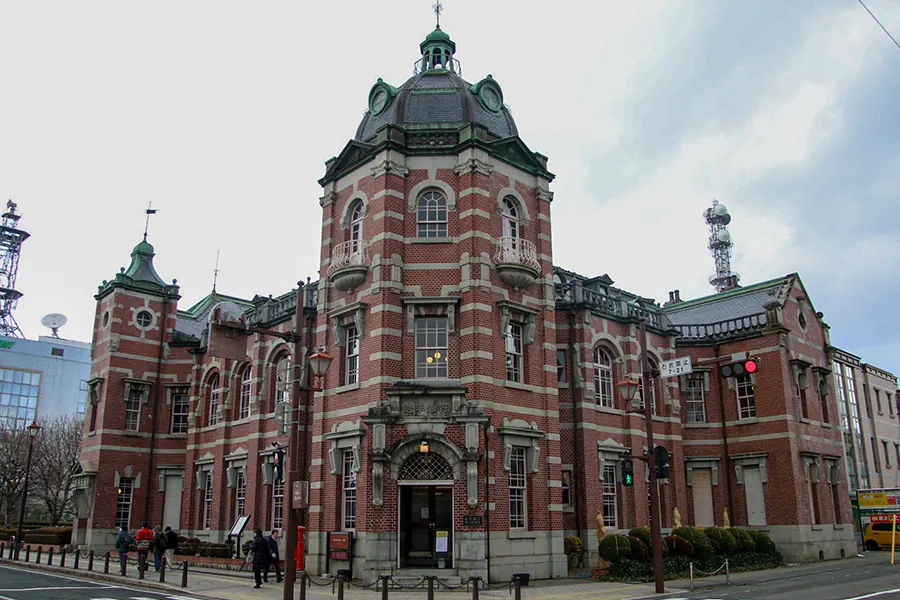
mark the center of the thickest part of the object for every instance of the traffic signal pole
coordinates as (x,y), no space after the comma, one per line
(655,517)
(290,533)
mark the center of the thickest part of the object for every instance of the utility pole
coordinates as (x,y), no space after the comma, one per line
(655,517)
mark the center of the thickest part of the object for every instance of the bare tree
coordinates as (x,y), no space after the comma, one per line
(13,454)
(53,462)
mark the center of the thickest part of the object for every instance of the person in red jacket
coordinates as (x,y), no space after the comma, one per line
(144,539)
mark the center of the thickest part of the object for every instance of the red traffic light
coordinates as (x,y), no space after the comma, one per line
(751,366)
(745,367)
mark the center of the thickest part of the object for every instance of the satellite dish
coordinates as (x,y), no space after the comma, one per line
(720,210)
(54,321)
(723,236)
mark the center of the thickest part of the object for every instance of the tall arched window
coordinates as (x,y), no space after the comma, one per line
(510,215)
(356,226)
(212,407)
(283,379)
(246,388)
(431,215)
(603,378)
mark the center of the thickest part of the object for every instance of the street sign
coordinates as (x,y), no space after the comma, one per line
(675,367)
(300,494)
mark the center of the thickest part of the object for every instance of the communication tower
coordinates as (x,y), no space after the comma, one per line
(720,244)
(11,238)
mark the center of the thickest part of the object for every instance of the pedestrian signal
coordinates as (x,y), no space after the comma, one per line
(627,472)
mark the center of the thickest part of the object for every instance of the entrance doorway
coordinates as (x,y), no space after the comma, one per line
(426,526)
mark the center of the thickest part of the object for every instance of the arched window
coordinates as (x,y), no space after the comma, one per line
(432,215)
(356,226)
(510,215)
(246,388)
(603,378)
(283,379)
(212,406)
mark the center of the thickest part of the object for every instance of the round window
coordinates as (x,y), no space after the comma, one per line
(144,319)
(491,98)
(106,318)
(379,101)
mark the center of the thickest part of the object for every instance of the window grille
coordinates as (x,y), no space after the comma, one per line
(278,504)
(240,493)
(426,466)
(517,489)
(208,501)
(213,412)
(180,409)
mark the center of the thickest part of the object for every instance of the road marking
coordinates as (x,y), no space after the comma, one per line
(46,574)
(46,589)
(894,591)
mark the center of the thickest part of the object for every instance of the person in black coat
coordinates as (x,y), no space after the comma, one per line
(274,556)
(260,556)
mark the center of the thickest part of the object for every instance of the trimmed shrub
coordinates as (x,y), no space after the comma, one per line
(52,536)
(639,550)
(698,539)
(615,547)
(724,539)
(214,550)
(643,534)
(572,544)
(745,541)
(678,546)
(762,541)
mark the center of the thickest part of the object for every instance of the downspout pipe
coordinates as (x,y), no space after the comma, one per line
(153,411)
(578,434)
(487,501)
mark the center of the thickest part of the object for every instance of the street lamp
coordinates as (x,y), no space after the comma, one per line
(32,433)
(628,388)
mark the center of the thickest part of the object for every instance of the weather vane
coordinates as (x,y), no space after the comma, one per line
(438,9)
(148,212)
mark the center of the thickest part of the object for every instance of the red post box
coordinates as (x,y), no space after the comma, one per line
(299,556)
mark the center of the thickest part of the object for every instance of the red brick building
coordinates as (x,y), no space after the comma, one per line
(469,419)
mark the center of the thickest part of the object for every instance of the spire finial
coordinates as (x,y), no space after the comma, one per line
(438,9)
(150,211)
(216,273)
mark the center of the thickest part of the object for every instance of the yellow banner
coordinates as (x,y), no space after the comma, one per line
(879,500)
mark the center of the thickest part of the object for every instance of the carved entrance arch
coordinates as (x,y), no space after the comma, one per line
(426,466)
(438,445)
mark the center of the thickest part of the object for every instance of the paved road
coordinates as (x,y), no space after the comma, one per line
(25,584)
(876,580)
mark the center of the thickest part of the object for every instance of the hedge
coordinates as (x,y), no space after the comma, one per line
(724,539)
(615,547)
(678,546)
(639,550)
(214,550)
(643,534)
(762,542)
(702,547)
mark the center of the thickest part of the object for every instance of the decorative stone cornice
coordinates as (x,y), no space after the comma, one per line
(474,165)
(389,167)
(328,199)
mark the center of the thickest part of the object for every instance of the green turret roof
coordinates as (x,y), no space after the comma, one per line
(140,275)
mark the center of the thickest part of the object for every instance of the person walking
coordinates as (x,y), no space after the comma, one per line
(159,546)
(144,539)
(274,556)
(123,541)
(260,556)
(171,545)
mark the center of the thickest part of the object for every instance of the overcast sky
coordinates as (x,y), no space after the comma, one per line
(223,113)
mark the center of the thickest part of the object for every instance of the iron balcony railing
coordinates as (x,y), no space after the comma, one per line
(354,253)
(433,63)
(516,251)
(722,329)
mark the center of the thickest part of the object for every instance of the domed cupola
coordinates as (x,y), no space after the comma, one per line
(436,97)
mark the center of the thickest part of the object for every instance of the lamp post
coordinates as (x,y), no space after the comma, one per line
(628,388)
(318,363)
(32,433)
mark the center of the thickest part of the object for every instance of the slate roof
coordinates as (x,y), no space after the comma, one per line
(437,98)
(190,323)
(733,304)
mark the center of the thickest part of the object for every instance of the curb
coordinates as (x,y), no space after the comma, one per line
(135,583)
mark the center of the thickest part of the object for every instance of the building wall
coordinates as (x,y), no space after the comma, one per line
(881,426)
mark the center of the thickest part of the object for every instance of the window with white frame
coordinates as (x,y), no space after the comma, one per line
(694,401)
(351,366)
(180,407)
(567,488)
(123,502)
(356,225)
(278,504)
(510,216)
(283,379)
(745,397)
(246,389)
(610,500)
(431,347)
(133,407)
(208,501)
(348,491)
(212,405)
(518,492)
(561,366)
(514,352)
(603,378)
(240,493)
(432,215)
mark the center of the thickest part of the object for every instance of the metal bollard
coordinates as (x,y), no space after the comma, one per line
(91,561)
(727,573)
(77,558)
(50,556)
(38,558)
(384,586)
(340,591)
(518,587)
(184,573)
(431,579)
(62,557)
(162,570)
(474,581)
(28,553)
(106,564)
(140,566)
(692,576)
(302,585)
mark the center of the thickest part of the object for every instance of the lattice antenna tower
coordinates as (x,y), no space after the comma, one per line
(720,244)
(11,238)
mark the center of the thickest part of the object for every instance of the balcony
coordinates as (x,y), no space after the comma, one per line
(517,262)
(350,264)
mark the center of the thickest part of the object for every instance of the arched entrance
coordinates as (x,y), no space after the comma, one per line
(425,535)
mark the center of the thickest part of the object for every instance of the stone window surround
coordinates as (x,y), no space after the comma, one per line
(175,388)
(416,307)
(750,459)
(810,466)
(128,473)
(341,318)
(527,315)
(710,463)
(346,436)
(523,217)
(412,197)
(164,471)
(351,202)
(95,388)
(610,450)
(204,464)
(519,433)
(234,463)
(141,383)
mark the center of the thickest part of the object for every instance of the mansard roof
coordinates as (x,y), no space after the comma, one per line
(736,303)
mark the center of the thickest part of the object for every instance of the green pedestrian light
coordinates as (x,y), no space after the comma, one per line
(627,472)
